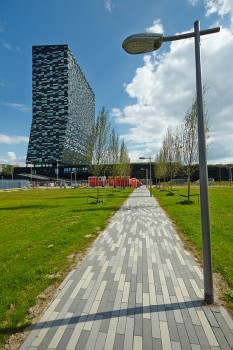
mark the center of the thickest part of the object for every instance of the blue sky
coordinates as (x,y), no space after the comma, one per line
(144,94)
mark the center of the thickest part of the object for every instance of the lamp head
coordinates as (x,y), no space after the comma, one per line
(142,43)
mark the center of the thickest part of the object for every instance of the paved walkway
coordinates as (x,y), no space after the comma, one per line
(137,288)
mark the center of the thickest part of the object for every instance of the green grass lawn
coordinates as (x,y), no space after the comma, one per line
(39,230)
(187,220)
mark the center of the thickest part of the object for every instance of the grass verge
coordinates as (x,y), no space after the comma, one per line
(41,232)
(187,221)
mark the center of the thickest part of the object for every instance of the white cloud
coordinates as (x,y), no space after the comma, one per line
(19,106)
(11,156)
(193,2)
(156,27)
(12,139)
(9,46)
(220,7)
(164,87)
(109,5)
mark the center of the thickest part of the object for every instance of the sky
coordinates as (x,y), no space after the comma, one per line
(143,94)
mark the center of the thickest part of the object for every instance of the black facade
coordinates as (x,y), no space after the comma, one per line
(63,110)
(138,170)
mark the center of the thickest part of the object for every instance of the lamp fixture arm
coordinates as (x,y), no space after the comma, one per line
(190,34)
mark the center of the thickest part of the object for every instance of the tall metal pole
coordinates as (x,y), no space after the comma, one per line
(57,173)
(205,217)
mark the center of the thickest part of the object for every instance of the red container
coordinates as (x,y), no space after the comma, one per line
(94,181)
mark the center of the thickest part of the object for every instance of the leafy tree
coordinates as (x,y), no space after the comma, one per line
(189,140)
(100,143)
(160,168)
(124,161)
(113,153)
(171,153)
(8,170)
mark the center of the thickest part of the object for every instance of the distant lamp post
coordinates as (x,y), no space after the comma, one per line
(230,175)
(57,171)
(146,176)
(71,178)
(150,172)
(147,42)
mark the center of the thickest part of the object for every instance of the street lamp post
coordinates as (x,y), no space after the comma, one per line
(147,42)
(146,176)
(71,178)
(150,172)
(57,172)
(230,175)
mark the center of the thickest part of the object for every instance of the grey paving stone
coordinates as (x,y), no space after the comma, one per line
(225,329)
(106,317)
(100,341)
(129,331)
(138,320)
(128,273)
(189,327)
(103,302)
(119,342)
(65,339)
(133,283)
(203,341)
(147,335)
(157,344)
(81,344)
(174,335)
(90,345)
(184,339)
(113,292)
(221,339)
(145,283)
(131,304)
(122,319)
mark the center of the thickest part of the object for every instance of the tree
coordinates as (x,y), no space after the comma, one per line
(100,143)
(113,158)
(171,153)
(8,170)
(159,168)
(124,161)
(189,140)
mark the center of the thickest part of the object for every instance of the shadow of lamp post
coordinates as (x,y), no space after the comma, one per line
(148,42)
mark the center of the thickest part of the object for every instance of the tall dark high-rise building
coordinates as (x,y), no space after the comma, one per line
(63,110)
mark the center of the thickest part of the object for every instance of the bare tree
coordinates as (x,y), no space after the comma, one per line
(171,153)
(160,168)
(113,152)
(100,143)
(124,161)
(189,140)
